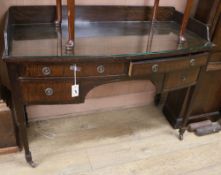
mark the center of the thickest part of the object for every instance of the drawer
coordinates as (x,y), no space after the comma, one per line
(215,56)
(48,91)
(97,69)
(64,70)
(143,68)
(180,79)
(214,66)
(41,70)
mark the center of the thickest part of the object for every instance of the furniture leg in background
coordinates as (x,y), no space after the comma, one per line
(185,20)
(59,13)
(207,103)
(71,24)
(71,20)
(191,94)
(155,10)
(187,103)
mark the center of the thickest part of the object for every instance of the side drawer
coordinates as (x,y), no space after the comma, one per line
(215,56)
(180,79)
(47,91)
(64,70)
(214,66)
(143,68)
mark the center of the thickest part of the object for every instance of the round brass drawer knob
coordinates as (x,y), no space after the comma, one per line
(49,91)
(155,68)
(192,62)
(100,69)
(46,71)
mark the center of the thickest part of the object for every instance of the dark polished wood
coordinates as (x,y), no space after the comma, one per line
(185,20)
(106,52)
(71,20)
(180,63)
(71,24)
(59,13)
(207,102)
(207,13)
(64,70)
(155,9)
(177,80)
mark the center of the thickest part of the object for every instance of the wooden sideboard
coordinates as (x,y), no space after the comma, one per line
(108,48)
(207,103)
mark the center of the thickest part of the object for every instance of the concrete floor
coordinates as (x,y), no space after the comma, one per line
(136,141)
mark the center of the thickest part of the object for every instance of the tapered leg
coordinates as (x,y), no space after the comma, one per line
(19,111)
(185,20)
(155,9)
(71,24)
(20,115)
(59,12)
(190,95)
(26,117)
(17,131)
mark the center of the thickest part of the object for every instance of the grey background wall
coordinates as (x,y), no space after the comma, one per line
(108,97)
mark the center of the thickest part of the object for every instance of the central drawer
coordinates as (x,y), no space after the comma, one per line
(66,70)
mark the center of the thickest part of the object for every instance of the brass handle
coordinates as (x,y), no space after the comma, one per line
(46,71)
(49,91)
(100,69)
(155,68)
(192,62)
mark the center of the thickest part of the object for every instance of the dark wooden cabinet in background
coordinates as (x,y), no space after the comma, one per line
(209,95)
(8,141)
(207,103)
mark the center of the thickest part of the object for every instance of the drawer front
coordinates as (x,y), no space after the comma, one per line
(96,69)
(180,79)
(48,91)
(168,65)
(41,70)
(66,70)
(215,56)
(214,66)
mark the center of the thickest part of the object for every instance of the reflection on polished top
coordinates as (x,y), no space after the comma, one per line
(102,39)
